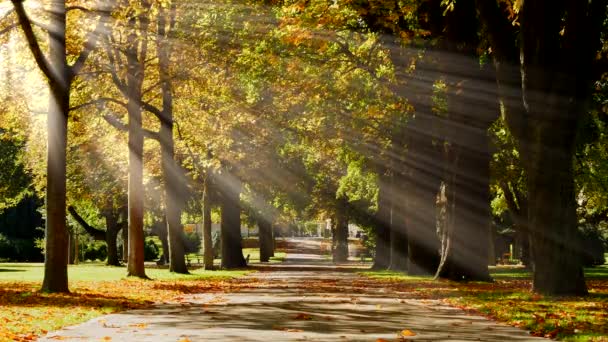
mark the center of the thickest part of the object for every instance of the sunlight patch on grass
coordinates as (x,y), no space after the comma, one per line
(509,299)
(96,290)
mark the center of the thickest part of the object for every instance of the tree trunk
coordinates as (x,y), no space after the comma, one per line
(73,256)
(382,224)
(552,213)
(173,199)
(136,54)
(398,240)
(125,243)
(172,173)
(272,241)
(423,244)
(549,84)
(232,248)
(265,236)
(207,236)
(340,234)
(57,238)
(111,235)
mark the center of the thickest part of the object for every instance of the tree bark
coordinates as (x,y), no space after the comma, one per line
(420,209)
(136,54)
(468,171)
(383,223)
(57,238)
(398,224)
(125,243)
(549,86)
(340,233)
(172,173)
(265,236)
(231,240)
(207,236)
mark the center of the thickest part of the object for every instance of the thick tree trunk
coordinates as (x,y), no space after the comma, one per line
(135,72)
(172,173)
(467,257)
(111,234)
(207,236)
(383,223)
(340,234)
(231,240)
(159,228)
(265,236)
(57,238)
(173,199)
(111,237)
(423,243)
(398,240)
(552,213)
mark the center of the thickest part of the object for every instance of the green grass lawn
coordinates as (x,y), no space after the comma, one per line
(509,299)
(96,289)
(95,271)
(254,257)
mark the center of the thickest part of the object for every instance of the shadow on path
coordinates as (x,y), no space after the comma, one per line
(306,298)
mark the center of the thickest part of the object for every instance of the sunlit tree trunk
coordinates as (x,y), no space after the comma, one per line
(59,77)
(172,172)
(136,54)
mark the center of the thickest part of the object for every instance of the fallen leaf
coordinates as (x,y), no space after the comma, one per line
(303,316)
(406,333)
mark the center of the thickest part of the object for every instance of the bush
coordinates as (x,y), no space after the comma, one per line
(15,249)
(151,250)
(192,242)
(96,250)
(593,246)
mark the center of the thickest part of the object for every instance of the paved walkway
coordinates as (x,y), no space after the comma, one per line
(304,299)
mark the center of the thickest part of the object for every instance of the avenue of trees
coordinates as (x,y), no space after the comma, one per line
(428,123)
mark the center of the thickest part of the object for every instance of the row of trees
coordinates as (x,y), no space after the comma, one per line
(416,119)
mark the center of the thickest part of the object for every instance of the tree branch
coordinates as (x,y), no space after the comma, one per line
(116,123)
(97,234)
(32,42)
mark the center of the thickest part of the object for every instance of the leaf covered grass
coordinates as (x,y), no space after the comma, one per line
(26,313)
(509,299)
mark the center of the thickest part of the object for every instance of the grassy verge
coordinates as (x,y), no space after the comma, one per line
(254,257)
(96,289)
(510,300)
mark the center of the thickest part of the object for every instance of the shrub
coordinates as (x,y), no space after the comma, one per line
(96,250)
(192,242)
(151,250)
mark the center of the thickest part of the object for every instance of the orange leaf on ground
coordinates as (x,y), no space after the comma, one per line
(407,332)
(303,316)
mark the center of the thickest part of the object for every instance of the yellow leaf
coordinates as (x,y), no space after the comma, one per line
(407,332)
